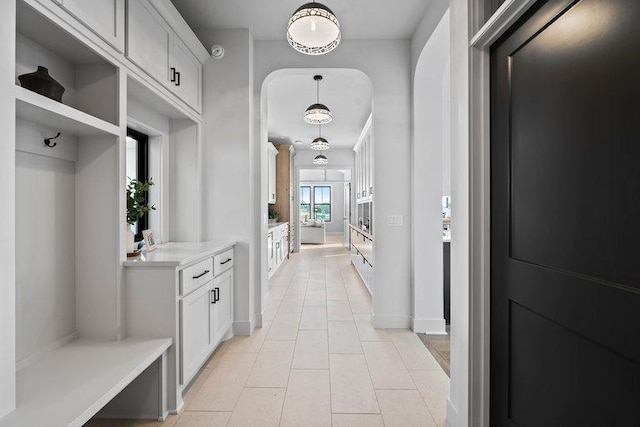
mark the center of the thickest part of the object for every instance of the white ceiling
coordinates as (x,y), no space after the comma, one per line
(347,93)
(267,19)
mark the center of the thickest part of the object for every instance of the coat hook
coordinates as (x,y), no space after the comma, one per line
(48,143)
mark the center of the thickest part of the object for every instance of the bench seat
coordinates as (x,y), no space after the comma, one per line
(70,384)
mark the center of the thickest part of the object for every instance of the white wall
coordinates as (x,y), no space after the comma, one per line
(45,249)
(387,63)
(228,177)
(458,405)
(428,142)
(8,212)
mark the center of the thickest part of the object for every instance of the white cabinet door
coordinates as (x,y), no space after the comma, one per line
(271,168)
(270,251)
(188,74)
(103,17)
(223,307)
(149,41)
(195,331)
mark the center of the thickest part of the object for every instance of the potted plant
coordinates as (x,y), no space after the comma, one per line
(273,215)
(137,206)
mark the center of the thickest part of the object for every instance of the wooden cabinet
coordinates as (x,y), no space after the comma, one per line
(272,152)
(284,188)
(154,47)
(103,17)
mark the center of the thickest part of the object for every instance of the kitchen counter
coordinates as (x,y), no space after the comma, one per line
(276,224)
(176,254)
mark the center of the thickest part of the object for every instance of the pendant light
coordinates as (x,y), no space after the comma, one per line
(318,114)
(313,29)
(320,160)
(320,143)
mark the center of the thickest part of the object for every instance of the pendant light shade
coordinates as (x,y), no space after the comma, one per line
(313,29)
(320,144)
(320,160)
(318,114)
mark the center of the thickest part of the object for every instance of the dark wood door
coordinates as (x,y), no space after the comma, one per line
(565,207)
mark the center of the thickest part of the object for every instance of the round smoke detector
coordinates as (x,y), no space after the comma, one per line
(217,51)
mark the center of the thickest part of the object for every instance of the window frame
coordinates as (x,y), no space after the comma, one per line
(322,204)
(142,173)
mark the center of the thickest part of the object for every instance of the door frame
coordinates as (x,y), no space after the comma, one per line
(484,35)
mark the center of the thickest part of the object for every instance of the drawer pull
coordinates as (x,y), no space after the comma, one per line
(212,296)
(224,262)
(201,274)
(177,78)
(216,295)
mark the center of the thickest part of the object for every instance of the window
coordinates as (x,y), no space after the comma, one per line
(305,202)
(322,203)
(315,202)
(138,168)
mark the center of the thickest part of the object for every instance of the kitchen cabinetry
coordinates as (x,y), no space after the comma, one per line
(284,187)
(158,51)
(183,291)
(103,17)
(364,165)
(278,250)
(362,256)
(272,152)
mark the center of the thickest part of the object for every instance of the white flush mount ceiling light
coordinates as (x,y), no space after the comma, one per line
(320,143)
(320,160)
(318,114)
(313,29)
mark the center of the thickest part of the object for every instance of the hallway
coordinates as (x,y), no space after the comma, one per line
(317,361)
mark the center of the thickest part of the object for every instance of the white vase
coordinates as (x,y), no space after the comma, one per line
(130,239)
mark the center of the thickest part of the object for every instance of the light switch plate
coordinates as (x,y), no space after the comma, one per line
(395,220)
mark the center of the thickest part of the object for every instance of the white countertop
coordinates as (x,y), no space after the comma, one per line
(276,224)
(176,254)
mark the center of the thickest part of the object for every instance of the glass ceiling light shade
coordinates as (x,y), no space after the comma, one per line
(320,144)
(318,114)
(320,160)
(313,29)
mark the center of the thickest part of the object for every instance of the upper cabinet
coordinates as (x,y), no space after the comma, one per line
(161,52)
(271,171)
(103,17)
(364,165)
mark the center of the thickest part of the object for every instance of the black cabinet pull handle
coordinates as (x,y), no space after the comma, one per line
(173,74)
(212,296)
(216,295)
(201,274)
(224,262)
(177,78)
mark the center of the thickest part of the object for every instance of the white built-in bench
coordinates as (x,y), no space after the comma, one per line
(71,384)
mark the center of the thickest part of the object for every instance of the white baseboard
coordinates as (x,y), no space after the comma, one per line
(452,414)
(24,362)
(259,320)
(242,327)
(429,326)
(391,322)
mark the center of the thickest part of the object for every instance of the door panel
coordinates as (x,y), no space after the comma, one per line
(565,205)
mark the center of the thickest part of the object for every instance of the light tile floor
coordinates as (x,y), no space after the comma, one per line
(317,361)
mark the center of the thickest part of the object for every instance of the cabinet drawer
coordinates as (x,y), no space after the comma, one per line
(222,262)
(193,277)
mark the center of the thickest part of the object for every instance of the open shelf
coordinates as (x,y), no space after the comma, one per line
(40,109)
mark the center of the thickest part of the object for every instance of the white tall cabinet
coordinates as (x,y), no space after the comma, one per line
(271,173)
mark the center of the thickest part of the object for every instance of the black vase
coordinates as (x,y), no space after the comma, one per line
(41,82)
